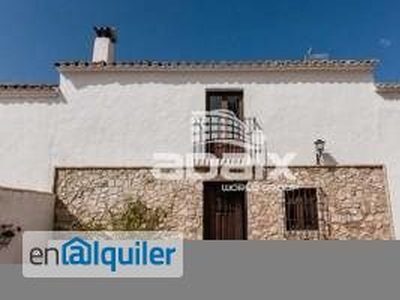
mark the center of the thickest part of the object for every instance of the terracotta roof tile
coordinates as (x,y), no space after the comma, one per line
(265,65)
(28,90)
(388,87)
(11,86)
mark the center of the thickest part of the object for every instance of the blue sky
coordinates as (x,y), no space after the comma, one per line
(37,33)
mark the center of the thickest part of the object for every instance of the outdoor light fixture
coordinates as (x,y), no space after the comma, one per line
(319,149)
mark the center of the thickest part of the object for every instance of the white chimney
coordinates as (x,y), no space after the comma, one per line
(103,49)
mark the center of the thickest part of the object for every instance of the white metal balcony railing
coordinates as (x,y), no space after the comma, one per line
(220,132)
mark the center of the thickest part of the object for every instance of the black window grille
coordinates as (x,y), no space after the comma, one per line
(301,209)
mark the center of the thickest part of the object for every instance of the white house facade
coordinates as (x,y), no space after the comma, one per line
(108,114)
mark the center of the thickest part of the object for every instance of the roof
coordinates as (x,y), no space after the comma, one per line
(388,87)
(261,65)
(29,90)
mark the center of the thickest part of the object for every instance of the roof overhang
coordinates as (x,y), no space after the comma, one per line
(388,87)
(28,91)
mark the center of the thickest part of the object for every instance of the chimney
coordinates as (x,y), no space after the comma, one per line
(103,49)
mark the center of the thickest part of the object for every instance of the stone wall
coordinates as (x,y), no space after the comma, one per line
(353,201)
(84,193)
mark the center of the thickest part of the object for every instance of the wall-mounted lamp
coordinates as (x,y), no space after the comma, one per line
(319,150)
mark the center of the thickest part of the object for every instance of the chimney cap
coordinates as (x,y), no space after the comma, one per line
(106,31)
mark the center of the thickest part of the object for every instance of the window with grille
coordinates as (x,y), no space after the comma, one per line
(301,209)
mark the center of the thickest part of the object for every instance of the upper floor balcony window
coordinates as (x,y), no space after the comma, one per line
(223,129)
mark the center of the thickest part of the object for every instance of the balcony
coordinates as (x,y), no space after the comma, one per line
(218,133)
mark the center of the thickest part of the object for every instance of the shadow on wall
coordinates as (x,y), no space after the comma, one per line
(390,96)
(64,220)
(26,99)
(84,79)
(328,159)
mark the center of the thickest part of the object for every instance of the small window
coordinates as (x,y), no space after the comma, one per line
(301,209)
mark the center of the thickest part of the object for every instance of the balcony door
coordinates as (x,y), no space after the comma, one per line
(229,100)
(223,130)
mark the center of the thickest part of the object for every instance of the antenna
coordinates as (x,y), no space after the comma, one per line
(308,53)
(315,56)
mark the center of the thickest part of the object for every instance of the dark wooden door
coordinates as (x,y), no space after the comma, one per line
(224,212)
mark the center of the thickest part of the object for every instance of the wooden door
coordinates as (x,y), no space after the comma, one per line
(224,213)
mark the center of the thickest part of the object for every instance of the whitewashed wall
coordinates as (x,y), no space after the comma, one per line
(121,119)
(389,134)
(130,116)
(27,129)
